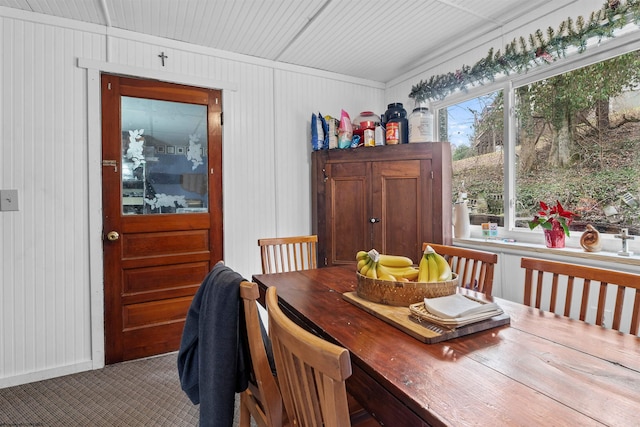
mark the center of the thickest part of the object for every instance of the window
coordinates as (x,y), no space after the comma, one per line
(475,129)
(575,138)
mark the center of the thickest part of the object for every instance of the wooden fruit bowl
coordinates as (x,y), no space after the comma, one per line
(403,293)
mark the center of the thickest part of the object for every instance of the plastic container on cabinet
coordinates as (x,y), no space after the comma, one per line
(367,120)
(397,125)
(421,125)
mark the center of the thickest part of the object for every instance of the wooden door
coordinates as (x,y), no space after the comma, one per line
(162,206)
(401,199)
(348,211)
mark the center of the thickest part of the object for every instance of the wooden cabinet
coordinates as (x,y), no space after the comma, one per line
(390,198)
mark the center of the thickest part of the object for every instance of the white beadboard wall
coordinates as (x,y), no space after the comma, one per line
(297,96)
(51,250)
(44,257)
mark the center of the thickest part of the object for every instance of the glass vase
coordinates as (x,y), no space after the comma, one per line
(554,238)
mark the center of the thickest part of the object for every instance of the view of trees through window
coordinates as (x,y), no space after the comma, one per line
(475,130)
(577,141)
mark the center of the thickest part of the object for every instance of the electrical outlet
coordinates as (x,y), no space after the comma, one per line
(8,200)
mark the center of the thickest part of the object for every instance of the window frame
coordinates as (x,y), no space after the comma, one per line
(627,40)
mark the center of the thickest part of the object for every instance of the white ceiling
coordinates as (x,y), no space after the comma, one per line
(372,39)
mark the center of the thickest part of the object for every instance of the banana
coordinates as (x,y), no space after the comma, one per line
(374,265)
(371,272)
(433,268)
(395,261)
(409,273)
(423,269)
(428,268)
(366,267)
(443,268)
(383,273)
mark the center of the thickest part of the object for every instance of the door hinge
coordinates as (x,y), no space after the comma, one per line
(431,174)
(221,118)
(109,86)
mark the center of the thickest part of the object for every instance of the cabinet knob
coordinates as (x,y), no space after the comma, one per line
(374,220)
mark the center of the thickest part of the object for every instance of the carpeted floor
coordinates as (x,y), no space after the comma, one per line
(143,392)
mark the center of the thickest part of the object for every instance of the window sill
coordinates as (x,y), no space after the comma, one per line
(532,248)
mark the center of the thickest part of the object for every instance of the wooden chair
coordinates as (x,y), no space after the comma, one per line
(473,267)
(565,277)
(311,371)
(283,254)
(262,400)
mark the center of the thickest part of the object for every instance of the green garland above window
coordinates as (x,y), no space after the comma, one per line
(539,49)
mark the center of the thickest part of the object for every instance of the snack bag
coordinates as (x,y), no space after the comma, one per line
(345,131)
(325,132)
(331,137)
(317,132)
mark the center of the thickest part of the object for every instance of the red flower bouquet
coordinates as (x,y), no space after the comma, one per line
(552,218)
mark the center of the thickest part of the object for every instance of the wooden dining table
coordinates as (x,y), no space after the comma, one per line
(539,370)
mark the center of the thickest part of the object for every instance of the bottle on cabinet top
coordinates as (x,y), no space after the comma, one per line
(396,124)
(421,125)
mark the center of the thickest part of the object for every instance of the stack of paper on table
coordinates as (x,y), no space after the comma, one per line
(458,310)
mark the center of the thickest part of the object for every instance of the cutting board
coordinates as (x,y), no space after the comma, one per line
(429,333)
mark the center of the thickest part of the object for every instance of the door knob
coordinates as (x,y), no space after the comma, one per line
(374,220)
(113,236)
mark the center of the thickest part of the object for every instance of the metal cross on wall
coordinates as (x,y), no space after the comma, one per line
(162,56)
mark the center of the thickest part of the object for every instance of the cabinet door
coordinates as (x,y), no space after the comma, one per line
(347,208)
(401,192)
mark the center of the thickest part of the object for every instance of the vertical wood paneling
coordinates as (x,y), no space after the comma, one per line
(249,196)
(44,304)
(45,314)
(297,96)
(45,300)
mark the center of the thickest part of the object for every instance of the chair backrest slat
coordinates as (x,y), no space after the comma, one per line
(262,400)
(579,278)
(474,267)
(635,318)
(311,371)
(617,314)
(282,254)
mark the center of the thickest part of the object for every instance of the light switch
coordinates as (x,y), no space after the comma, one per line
(8,200)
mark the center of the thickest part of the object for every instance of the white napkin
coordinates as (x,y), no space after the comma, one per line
(458,306)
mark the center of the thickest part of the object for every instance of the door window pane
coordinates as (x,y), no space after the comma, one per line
(475,129)
(164,157)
